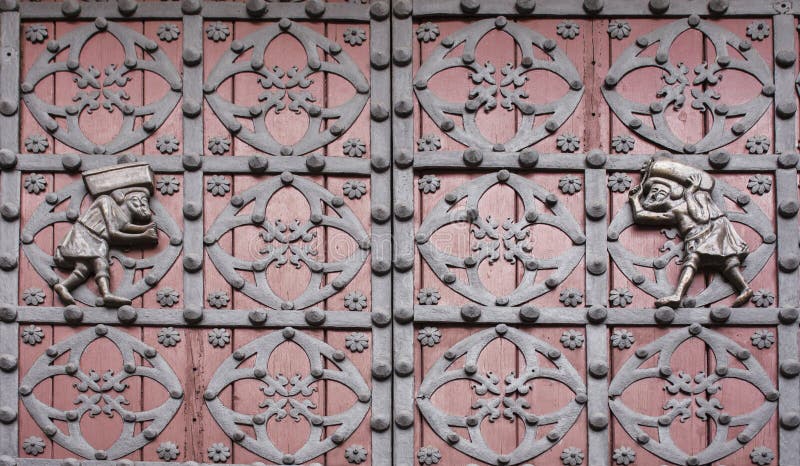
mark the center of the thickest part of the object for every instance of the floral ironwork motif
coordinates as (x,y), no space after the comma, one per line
(537,121)
(461,205)
(141,54)
(286,88)
(630,264)
(287,242)
(288,396)
(133,282)
(101,394)
(506,400)
(689,389)
(638,115)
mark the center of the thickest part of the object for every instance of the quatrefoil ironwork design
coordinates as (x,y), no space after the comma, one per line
(106,88)
(487,239)
(104,394)
(288,397)
(507,400)
(288,243)
(649,120)
(688,390)
(325,124)
(537,120)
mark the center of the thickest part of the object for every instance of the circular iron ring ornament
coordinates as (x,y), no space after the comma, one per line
(499,399)
(698,389)
(482,96)
(128,286)
(326,364)
(249,208)
(102,395)
(629,263)
(110,89)
(489,240)
(293,83)
(637,115)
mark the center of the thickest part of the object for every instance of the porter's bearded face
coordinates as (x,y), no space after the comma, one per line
(139,206)
(657,198)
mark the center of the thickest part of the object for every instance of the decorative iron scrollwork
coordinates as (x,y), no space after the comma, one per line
(649,121)
(691,389)
(82,242)
(104,394)
(325,124)
(288,242)
(496,400)
(288,395)
(533,126)
(63,56)
(488,239)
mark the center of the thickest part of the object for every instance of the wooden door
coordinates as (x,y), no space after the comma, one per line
(393,232)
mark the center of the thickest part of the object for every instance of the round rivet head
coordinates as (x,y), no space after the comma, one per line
(788,315)
(598,369)
(596,314)
(7,414)
(719,159)
(598,421)
(73,314)
(71,162)
(404,367)
(528,158)
(743,355)
(596,210)
(593,6)
(695,329)
(525,6)
(549,45)
(404,419)
(718,7)
(192,315)
(642,439)
(379,112)
(190,108)
(789,263)
(658,6)
(8,262)
(315,162)
(191,7)
(379,10)
(379,423)
(8,314)
(665,371)
(9,211)
(127,314)
(8,159)
(8,362)
(788,160)
(315,316)
(472,157)
(127,7)
(787,209)
(8,107)
(768,90)
(381,371)
(745,45)
(402,8)
(790,368)
(192,56)
(664,315)
(403,108)
(786,110)
(257,316)
(315,8)
(790,420)
(71,8)
(256,8)
(595,158)
(470,6)
(720,314)
(772,395)
(470,312)
(784,58)
(528,314)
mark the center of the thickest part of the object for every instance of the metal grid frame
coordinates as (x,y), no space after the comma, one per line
(595,166)
(193,166)
(392,258)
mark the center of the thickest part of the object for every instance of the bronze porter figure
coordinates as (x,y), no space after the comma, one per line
(673,194)
(119,216)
